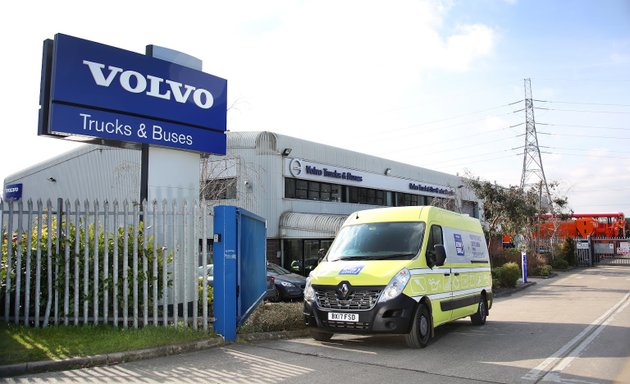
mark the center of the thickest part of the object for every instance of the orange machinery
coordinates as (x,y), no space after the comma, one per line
(582,225)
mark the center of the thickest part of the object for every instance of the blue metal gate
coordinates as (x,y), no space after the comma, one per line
(240,267)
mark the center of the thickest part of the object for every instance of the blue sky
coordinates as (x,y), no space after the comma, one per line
(428,83)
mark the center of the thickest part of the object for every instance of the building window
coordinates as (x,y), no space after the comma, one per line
(314,190)
(219,189)
(289,188)
(408,199)
(367,196)
(301,189)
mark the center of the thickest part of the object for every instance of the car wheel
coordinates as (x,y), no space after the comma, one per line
(479,318)
(321,335)
(420,333)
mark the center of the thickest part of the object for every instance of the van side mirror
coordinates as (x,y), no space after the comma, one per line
(440,254)
(437,256)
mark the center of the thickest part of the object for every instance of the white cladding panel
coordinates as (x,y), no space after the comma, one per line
(91,172)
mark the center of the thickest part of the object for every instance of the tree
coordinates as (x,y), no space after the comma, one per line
(506,209)
(512,209)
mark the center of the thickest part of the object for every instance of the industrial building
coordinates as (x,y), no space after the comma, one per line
(304,190)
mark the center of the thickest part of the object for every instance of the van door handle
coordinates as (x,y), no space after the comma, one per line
(447,274)
(456,273)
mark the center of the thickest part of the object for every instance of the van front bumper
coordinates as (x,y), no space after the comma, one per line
(393,316)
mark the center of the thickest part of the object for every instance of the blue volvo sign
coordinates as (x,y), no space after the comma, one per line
(13,192)
(91,90)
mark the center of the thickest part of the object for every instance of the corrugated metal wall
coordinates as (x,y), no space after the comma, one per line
(92,172)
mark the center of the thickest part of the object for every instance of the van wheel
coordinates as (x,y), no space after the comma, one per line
(321,335)
(420,333)
(479,318)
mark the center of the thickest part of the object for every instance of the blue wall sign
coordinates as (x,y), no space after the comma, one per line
(13,192)
(98,91)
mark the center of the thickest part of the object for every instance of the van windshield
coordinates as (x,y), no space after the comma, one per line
(377,241)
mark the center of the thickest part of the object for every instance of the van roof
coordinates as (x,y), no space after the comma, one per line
(426,214)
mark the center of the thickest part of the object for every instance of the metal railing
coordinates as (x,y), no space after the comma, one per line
(124,264)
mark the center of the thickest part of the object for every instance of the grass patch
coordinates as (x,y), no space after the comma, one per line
(20,344)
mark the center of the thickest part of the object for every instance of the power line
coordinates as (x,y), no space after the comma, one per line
(586,126)
(583,103)
(583,111)
(588,136)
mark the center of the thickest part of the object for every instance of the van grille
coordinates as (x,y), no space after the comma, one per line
(357,300)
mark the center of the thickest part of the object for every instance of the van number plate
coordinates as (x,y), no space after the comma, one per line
(350,317)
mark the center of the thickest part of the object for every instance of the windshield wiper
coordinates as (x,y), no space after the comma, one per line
(363,257)
(397,255)
(376,257)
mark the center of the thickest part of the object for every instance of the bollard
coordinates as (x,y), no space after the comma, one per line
(524,265)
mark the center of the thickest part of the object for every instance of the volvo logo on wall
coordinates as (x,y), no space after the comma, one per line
(98,93)
(295,167)
(13,192)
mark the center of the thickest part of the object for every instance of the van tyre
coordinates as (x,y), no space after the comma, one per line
(479,318)
(321,335)
(420,333)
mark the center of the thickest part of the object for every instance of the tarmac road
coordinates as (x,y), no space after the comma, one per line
(574,328)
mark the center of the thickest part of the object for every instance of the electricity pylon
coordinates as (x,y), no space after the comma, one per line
(532,161)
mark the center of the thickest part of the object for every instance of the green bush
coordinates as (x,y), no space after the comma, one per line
(270,317)
(544,270)
(559,263)
(496,277)
(79,240)
(509,275)
(209,301)
(567,251)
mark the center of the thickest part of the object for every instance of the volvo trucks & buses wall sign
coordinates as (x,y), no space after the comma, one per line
(102,94)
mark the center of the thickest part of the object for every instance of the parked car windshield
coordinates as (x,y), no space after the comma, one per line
(275,269)
(378,241)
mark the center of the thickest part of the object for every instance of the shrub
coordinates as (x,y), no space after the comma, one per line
(509,274)
(544,270)
(567,251)
(512,255)
(80,241)
(270,317)
(496,277)
(209,301)
(559,263)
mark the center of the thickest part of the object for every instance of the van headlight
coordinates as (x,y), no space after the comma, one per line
(309,292)
(395,286)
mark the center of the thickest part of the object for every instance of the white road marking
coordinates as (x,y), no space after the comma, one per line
(556,359)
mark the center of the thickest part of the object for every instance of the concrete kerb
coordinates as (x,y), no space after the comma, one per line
(140,354)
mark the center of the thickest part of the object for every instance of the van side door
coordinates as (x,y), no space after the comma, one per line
(440,283)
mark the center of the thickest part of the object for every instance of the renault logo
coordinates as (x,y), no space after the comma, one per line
(343,290)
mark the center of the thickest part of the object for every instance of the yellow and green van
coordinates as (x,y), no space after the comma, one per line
(400,270)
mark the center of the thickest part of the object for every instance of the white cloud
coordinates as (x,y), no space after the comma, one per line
(471,43)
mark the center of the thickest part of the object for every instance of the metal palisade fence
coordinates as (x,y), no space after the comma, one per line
(124,264)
